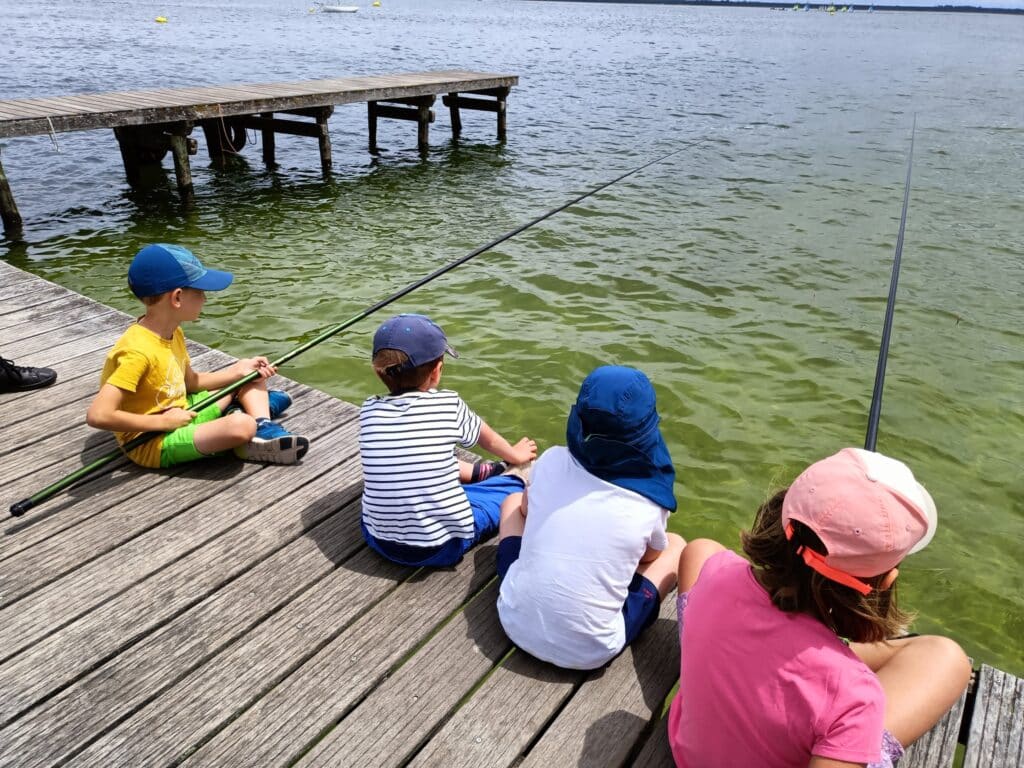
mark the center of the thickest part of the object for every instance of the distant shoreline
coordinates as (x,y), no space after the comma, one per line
(860,7)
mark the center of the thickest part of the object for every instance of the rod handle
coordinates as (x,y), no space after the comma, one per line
(19,508)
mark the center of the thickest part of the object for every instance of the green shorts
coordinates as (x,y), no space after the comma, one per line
(179,446)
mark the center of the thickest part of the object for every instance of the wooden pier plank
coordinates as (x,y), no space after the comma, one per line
(172,591)
(424,690)
(284,723)
(611,712)
(26,117)
(996,735)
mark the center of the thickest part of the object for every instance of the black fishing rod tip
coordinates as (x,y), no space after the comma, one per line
(20,508)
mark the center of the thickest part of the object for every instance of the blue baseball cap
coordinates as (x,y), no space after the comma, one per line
(161,267)
(613,433)
(418,336)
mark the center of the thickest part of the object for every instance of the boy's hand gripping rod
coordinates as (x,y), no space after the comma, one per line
(21,507)
(883,351)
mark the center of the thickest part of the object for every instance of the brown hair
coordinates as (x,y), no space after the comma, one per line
(389,365)
(795,587)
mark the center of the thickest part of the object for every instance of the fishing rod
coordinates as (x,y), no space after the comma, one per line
(21,507)
(883,351)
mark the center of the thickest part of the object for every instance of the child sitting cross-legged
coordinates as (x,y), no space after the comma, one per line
(583,555)
(148,383)
(422,505)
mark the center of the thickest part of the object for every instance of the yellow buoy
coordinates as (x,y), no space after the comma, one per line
(376,3)
(161,19)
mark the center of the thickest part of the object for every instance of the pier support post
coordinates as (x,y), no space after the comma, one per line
(452,100)
(502,95)
(371,120)
(324,138)
(8,208)
(182,170)
(268,142)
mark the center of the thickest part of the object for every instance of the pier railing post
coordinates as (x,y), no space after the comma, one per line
(8,208)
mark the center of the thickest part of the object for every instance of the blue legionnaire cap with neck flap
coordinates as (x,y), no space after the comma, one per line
(162,267)
(419,337)
(613,433)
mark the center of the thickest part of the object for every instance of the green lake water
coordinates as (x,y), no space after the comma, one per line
(747,274)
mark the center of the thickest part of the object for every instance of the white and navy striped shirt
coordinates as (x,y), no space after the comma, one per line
(411,488)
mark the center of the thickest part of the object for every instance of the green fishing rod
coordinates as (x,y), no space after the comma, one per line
(21,507)
(883,351)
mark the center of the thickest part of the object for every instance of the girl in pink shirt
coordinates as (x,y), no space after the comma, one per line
(765,678)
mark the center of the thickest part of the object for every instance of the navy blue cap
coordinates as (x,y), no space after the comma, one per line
(418,336)
(613,433)
(161,267)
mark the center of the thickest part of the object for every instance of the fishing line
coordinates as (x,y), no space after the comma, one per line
(21,507)
(883,351)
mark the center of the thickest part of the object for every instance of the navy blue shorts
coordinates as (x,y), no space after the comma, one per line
(485,499)
(642,600)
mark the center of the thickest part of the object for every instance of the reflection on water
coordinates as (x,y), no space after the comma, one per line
(746,275)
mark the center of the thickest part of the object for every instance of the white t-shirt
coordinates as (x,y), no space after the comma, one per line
(411,488)
(561,601)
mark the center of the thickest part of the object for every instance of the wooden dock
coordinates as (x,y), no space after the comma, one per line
(149,124)
(228,614)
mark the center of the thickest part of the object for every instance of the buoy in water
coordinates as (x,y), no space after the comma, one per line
(160,19)
(376,3)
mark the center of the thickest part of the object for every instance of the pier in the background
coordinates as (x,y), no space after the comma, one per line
(150,124)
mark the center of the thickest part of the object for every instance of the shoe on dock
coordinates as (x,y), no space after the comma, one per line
(273,444)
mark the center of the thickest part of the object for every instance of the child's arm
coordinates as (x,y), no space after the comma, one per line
(520,453)
(105,413)
(196,381)
(825,762)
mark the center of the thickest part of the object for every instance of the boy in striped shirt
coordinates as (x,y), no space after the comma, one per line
(421,504)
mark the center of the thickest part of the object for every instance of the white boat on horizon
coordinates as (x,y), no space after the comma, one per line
(339,8)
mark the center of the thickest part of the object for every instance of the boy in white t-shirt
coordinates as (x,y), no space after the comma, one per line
(584,573)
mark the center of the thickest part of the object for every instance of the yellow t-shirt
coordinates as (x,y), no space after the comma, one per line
(150,371)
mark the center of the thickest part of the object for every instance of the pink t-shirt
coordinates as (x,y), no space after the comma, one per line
(762,687)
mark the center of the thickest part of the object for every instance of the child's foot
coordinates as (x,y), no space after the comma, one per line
(484,469)
(522,471)
(273,444)
(278,399)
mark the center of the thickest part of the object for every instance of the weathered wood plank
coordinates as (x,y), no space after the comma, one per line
(284,723)
(610,713)
(197,513)
(67,655)
(502,718)
(424,689)
(996,735)
(937,748)
(25,117)
(43,318)
(282,585)
(656,752)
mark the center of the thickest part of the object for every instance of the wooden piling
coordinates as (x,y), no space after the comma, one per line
(324,138)
(268,141)
(452,102)
(182,170)
(8,208)
(371,126)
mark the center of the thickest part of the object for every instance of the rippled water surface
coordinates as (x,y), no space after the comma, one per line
(746,274)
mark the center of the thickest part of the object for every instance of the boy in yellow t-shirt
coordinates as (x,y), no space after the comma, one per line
(148,384)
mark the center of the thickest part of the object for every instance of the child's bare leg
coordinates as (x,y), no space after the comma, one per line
(254,399)
(661,571)
(513,522)
(922,678)
(224,433)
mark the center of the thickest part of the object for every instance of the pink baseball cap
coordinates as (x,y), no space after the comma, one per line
(868,511)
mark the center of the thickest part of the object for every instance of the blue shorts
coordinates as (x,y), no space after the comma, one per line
(642,600)
(485,500)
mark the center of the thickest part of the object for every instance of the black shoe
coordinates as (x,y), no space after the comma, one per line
(18,378)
